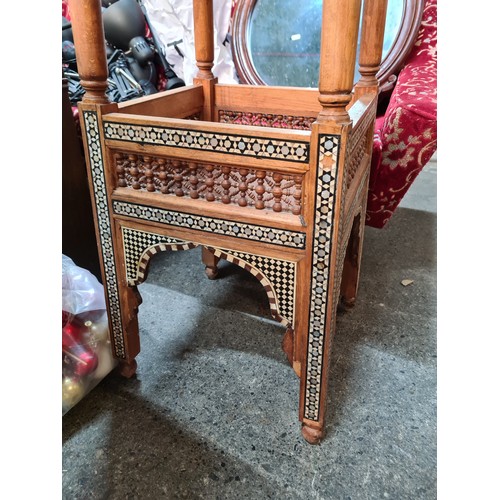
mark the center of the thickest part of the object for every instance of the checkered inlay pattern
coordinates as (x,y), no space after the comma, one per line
(278,277)
(104,226)
(280,237)
(326,187)
(277,149)
(140,246)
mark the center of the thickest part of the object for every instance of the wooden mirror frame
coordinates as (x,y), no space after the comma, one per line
(391,64)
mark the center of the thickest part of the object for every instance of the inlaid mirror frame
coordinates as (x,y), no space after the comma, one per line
(391,63)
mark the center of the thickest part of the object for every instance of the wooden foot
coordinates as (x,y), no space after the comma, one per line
(312,435)
(287,345)
(127,369)
(349,303)
(210,261)
(211,272)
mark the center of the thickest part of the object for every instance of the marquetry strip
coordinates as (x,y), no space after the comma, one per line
(278,277)
(104,229)
(261,147)
(274,236)
(140,246)
(326,187)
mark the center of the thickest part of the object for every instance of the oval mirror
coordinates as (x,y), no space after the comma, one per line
(277,42)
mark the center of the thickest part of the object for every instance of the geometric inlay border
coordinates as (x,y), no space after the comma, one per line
(258,147)
(324,210)
(273,236)
(104,229)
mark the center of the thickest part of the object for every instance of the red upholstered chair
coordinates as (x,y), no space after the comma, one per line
(406,134)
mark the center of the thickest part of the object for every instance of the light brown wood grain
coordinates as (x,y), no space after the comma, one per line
(372,41)
(203,21)
(177,103)
(338,57)
(262,99)
(88,34)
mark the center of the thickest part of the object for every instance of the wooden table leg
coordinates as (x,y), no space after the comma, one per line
(210,261)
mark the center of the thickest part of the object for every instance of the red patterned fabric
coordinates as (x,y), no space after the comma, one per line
(406,136)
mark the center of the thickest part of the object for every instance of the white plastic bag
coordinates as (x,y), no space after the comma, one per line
(86,350)
(172,20)
(81,291)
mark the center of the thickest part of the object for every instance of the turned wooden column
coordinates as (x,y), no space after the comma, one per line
(372,41)
(339,38)
(90,46)
(203,19)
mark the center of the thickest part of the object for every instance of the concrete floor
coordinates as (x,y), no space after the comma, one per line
(213,411)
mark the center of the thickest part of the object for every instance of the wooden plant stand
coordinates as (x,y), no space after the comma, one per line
(273,179)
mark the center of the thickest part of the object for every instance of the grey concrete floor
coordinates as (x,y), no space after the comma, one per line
(213,412)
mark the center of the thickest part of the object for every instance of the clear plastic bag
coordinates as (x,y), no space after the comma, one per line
(86,350)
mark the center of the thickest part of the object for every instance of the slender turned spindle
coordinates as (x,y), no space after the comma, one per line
(193,180)
(372,41)
(88,35)
(209,182)
(260,189)
(203,19)
(339,37)
(163,175)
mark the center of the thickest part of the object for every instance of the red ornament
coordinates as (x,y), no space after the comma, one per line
(66,318)
(85,359)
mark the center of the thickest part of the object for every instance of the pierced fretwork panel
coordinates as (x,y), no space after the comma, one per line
(246,187)
(266,120)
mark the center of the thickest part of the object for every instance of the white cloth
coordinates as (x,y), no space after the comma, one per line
(172,20)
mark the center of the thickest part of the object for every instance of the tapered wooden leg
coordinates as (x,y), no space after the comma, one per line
(130,302)
(314,383)
(352,263)
(210,261)
(287,345)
